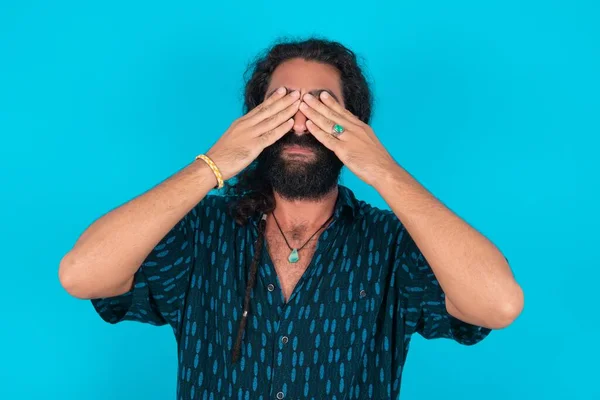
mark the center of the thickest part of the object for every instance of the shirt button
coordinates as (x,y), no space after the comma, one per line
(363,293)
(270,287)
(284,339)
(280,395)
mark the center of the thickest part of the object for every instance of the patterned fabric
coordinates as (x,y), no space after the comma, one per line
(343,334)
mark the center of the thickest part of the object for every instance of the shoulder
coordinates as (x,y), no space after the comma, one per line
(213,207)
(374,218)
(382,228)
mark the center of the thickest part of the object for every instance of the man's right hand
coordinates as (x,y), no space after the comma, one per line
(249,135)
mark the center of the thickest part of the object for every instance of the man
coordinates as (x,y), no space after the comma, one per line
(288,286)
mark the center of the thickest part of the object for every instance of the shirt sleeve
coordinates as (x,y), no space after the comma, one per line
(161,283)
(428,301)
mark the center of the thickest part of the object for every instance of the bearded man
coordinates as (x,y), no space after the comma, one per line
(286,285)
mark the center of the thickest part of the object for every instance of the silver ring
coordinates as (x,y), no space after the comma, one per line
(337,129)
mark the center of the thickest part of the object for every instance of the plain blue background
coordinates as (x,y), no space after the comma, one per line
(492,105)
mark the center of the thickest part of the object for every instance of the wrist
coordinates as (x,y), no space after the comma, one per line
(204,174)
(388,177)
(214,169)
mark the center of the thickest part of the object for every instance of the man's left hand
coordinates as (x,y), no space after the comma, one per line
(357,147)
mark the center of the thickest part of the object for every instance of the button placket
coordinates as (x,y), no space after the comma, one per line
(283,351)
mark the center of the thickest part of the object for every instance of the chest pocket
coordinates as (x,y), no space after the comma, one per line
(345,318)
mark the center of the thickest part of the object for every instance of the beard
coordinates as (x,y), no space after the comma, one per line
(299,176)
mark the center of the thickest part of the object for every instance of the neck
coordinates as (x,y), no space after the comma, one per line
(307,213)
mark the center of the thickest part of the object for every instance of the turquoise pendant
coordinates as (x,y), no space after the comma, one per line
(294,257)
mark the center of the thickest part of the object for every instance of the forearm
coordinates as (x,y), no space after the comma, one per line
(474,274)
(106,256)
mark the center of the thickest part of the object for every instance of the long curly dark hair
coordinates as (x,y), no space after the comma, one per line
(252,193)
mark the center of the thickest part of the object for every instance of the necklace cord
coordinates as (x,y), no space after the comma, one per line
(286,241)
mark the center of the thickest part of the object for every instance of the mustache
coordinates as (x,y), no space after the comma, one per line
(292,139)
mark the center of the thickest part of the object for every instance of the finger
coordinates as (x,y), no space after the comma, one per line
(319,119)
(326,111)
(330,102)
(273,135)
(278,94)
(268,109)
(327,139)
(276,119)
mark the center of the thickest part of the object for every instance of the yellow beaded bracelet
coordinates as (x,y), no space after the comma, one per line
(214,169)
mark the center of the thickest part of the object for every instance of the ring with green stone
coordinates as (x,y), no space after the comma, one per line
(338,129)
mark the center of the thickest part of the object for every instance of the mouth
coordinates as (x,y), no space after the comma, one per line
(297,149)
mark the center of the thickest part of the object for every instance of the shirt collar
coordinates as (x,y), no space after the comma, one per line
(346,205)
(346,202)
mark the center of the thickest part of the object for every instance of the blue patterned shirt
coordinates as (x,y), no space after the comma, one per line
(344,333)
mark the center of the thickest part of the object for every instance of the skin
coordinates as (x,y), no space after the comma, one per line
(475,276)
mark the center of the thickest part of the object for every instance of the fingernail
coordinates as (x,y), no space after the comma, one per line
(281,90)
(308,96)
(324,95)
(295,93)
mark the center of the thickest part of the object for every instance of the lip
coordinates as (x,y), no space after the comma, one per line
(297,149)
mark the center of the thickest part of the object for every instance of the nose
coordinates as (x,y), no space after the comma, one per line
(299,126)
